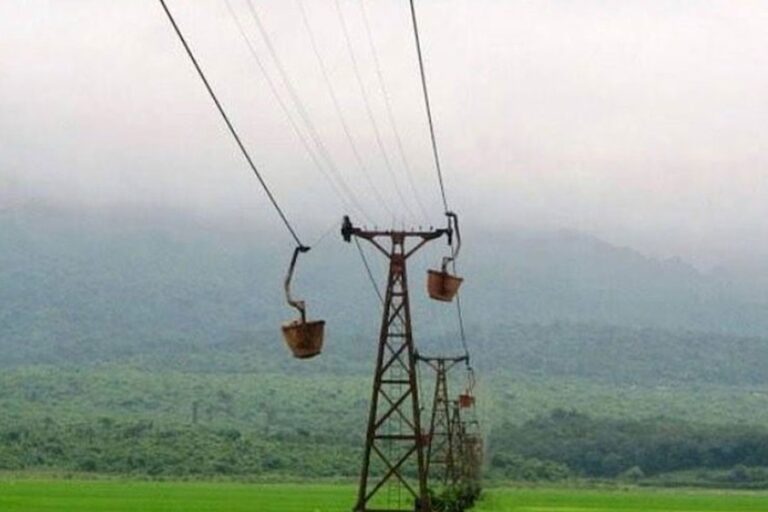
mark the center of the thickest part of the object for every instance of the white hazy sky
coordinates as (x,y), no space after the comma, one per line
(643,122)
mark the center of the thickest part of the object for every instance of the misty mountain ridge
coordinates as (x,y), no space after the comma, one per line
(84,281)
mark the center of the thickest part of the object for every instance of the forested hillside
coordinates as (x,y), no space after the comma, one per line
(83,282)
(151,346)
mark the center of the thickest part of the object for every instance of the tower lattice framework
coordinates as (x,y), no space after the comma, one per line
(442,456)
(394,475)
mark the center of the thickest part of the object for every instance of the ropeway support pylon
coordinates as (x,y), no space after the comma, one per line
(394,476)
(442,451)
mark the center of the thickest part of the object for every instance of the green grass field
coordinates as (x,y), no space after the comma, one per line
(29,495)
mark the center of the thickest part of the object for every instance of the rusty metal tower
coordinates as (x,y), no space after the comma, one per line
(458,437)
(394,476)
(473,453)
(441,452)
(469,439)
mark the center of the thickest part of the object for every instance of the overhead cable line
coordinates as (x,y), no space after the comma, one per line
(232,130)
(460,316)
(331,228)
(429,110)
(299,104)
(339,113)
(388,106)
(369,110)
(462,332)
(273,88)
(369,271)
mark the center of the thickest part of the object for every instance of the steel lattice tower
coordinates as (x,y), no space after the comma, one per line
(459,471)
(441,451)
(394,445)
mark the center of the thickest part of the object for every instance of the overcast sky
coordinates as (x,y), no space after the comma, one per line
(643,122)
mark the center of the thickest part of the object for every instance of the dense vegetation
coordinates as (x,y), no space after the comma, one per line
(143,448)
(121,418)
(634,449)
(153,349)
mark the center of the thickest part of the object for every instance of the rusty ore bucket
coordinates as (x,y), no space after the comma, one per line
(466,401)
(442,285)
(305,339)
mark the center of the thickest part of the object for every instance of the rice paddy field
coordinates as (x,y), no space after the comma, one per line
(39,495)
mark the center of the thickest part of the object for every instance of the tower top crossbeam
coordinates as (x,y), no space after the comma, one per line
(348,230)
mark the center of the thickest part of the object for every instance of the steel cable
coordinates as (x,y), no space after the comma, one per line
(436,155)
(283,107)
(390,116)
(299,104)
(462,333)
(337,106)
(369,110)
(232,130)
(429,109)
(369,271)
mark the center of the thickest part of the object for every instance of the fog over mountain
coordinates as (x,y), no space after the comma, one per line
(641,123)
(85,283)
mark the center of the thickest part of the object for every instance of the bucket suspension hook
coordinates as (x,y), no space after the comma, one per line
(453,227)
(304,338)
(298,304)
(471,381)
(443,285)
(467,398)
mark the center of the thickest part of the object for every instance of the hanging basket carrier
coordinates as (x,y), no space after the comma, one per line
(442,285)
(304,338)
(467,398)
